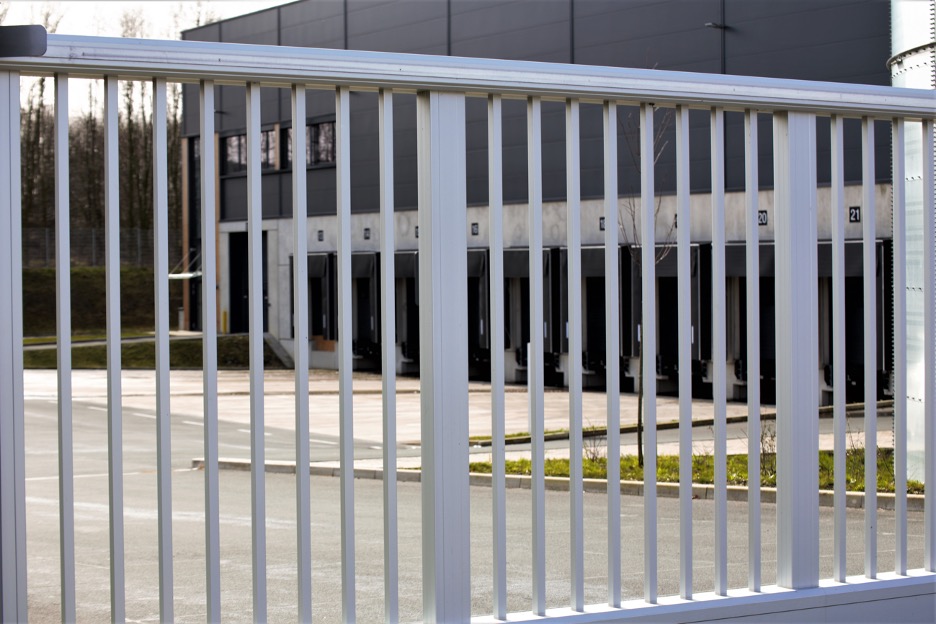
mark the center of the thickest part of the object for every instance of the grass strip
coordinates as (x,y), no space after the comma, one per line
(233,353)
(79,337)
(703,469)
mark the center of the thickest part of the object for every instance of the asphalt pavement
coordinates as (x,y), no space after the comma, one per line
(91,509)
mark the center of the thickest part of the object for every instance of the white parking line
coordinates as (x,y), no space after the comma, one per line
(328,442)
(248,431)
(150,416)
(193,423)
(81,476)
(97,409)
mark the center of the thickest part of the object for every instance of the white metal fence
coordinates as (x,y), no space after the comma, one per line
(442,85)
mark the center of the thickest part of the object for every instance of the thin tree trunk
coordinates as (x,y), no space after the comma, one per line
(640,455)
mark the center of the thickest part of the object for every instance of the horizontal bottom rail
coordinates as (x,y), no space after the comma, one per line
(858,599)
(853,500)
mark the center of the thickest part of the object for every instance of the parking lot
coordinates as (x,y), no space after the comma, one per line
(91,496)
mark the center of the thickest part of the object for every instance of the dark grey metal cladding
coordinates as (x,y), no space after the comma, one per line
(511,30)
(648,34)
(275,193)
(260,28)
(414,26)
(831,40)
(835,40)
(313,24)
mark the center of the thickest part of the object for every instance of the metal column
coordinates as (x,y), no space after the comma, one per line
(797,336)
(443,302)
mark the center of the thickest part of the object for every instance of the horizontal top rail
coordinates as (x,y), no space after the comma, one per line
(228,63)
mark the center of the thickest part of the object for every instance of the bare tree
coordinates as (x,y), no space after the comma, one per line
(38,148)
(86,143)
(4,9)
(191,15)
(628,225)
(136,138)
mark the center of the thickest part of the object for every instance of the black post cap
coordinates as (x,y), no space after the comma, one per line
(23,40)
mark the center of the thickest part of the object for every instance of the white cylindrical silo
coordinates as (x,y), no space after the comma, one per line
(913,65)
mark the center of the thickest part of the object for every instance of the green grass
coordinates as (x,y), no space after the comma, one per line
(233,352)
(89,336)
(88,299)
(703,470)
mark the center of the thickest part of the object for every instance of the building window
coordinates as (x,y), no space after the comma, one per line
(195,166)
(323,142)
(320,144)
(268,149)
(235,152)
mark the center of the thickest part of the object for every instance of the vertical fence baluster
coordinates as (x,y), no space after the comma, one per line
(929,346)
(301,353)
(868,217)
(535,350)
(12,439)
(900,345)
(684,286)
(613,350)
(114,416)
(64,360)
(209,326)
(443,355)
(345,362)
(718,350)
(649,347)
(388,354)
(496,236)
(255,327)
(797,334)
(573,228)
(752,243)
(840,422)
(161,294)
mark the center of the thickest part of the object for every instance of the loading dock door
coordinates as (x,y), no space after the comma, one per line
(407,307)
(240,284)
(323,313)
(479,343)
(366,316)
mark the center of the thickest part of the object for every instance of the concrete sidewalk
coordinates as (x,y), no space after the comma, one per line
(138,391)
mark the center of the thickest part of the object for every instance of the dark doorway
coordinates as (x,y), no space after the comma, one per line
(240,283)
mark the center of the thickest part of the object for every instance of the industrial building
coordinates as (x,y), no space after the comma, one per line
(831,40)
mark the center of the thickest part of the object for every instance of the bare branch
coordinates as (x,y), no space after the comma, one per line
(630,129)
(51,16)
(132,24)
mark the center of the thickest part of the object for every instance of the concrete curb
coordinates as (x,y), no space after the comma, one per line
(853,500)
(885,408)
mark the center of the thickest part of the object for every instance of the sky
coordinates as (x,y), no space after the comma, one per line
(162,18)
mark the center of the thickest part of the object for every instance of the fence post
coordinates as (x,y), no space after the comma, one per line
(443,338)
(12,461)
(797,334)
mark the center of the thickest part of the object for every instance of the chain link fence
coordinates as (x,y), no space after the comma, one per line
(87,247)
